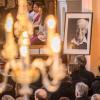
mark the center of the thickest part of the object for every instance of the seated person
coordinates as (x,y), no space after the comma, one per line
(81,91)
(81,74)
(96,84)
(80,39)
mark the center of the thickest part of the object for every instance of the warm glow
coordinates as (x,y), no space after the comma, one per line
(51,22)
(25,35)
(25,39)
(9,23)
(24,47)
(56,44)
(24,70)
(25,42)
(23,51)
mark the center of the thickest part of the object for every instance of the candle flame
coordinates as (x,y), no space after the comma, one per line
(56,44)
(51,22)
(9,23)
(23,51)
(25,34)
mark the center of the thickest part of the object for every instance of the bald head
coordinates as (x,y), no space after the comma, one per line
(40,94)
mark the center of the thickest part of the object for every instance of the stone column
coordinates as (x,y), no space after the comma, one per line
(62,8)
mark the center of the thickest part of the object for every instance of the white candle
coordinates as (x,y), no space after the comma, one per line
(9,23)
(24,47)
(51,30)
(56,44)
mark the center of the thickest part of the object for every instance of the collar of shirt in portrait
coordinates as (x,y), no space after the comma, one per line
(78,43)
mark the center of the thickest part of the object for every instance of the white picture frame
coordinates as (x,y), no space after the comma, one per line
(74,25)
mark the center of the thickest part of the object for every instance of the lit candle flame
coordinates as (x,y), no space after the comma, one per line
(25,34)
(24,44)
(51,22)
(9,23)
(56,44)
(23,51)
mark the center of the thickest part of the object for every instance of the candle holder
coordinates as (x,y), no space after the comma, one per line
(22,70)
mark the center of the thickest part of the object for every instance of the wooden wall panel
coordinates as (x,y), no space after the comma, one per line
(95,48)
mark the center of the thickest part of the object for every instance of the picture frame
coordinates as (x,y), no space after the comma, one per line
(78,31)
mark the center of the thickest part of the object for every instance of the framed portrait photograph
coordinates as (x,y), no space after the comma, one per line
(78,30)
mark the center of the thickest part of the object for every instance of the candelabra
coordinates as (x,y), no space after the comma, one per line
(22,70)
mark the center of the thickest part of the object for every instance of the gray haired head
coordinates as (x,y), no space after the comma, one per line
(81,89)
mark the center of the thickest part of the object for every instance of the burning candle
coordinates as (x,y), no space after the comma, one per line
(51,30)
(9,23)
(56,44)
(24,47)
(10,44)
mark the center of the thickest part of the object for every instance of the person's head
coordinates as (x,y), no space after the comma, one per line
(81,89)
(81,61)
(64,98)
(29,5)
(36,7)
(20,98)
(96,86)
(95,97)
(40,94)
(7,97)
(81,30)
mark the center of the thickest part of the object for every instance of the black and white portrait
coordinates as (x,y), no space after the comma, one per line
(77,33)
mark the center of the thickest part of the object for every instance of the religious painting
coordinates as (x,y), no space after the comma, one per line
(41,9)
(78,28)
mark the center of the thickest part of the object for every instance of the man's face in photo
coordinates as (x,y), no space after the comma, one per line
(80,33)
(81,30)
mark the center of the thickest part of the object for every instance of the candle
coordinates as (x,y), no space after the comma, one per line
(9,23)
(56,44)
(10,44)
(51,28)
(24,47)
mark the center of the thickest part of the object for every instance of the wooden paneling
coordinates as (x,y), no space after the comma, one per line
(95,48)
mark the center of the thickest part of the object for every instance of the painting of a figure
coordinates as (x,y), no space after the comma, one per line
(38,10)
(78,33)
(36,17)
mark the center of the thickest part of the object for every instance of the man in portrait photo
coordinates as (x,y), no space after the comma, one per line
(77,33)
